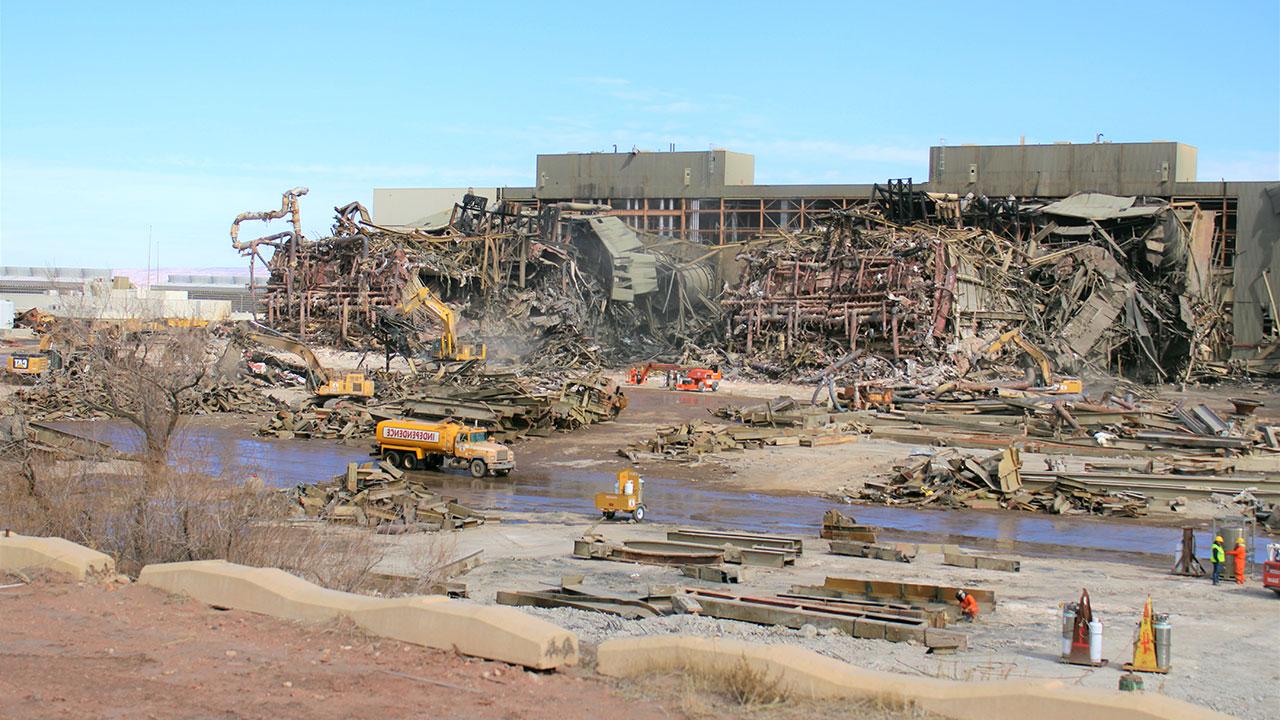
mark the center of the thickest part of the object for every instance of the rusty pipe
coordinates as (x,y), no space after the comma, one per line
(288,206)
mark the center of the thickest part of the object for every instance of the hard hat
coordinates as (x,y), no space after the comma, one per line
(1239,541)
(959,594)
(1218,539)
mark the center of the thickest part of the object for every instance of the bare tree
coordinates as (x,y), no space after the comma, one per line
(141,376)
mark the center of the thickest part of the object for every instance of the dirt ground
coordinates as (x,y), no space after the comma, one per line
(87,650)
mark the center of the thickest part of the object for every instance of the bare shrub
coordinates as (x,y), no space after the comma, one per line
(432,555)
(334,557)
(750,686)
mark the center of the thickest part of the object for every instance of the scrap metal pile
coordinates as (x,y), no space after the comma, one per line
(1123,285)
(509,406)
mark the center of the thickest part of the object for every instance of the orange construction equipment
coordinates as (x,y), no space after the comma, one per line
(1239,552)
(679,378)
(640,375)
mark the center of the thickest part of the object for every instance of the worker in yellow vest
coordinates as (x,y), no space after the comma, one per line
(1217,557)
(1238,553)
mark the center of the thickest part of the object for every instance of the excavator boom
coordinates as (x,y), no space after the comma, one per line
(320,380)
(419,297)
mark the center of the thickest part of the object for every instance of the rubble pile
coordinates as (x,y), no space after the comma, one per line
(379,495)
(949,479)
(76,395)
(1120,285)
(557,288)
(690,442)
(346,420)
(517,407)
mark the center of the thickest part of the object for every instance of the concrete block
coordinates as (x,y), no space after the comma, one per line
(936,638)
(497,633)
(958,560)
(805,673)
(897,632)
(268,591)
(493,633)
(870,629)
(22,552)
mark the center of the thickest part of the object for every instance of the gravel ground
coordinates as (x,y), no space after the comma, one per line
(1224,638)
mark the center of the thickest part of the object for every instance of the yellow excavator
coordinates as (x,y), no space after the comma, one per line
(419,297)
(320,380)
(1050,384)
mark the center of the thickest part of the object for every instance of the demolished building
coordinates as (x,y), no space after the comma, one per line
(1113,260)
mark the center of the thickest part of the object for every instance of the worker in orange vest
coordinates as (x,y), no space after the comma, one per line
(968,606)
(1238,553)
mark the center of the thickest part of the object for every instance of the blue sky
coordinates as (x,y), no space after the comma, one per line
(123,119)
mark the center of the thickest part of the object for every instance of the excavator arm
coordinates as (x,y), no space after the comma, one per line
(1047,380)
(420,297)
(319,379)
(318,371)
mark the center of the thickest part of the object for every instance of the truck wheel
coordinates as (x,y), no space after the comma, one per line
(478,468)
(408,461)
(638,514)
(608,514)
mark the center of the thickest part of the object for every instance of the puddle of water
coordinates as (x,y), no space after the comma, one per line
(284,463)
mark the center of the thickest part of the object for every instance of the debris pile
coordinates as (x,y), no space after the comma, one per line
(1119,284)
(955,480)
(513,407)
(74,394)
(379,495)
(692,441)
(535,284)
(347,420)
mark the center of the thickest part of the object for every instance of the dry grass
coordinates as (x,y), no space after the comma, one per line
(143,513)
(741,691)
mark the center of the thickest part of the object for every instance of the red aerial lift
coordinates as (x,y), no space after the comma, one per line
(680,378)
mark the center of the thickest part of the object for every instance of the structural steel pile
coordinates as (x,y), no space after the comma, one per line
(535,285)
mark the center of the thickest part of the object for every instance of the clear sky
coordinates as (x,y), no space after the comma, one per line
(123,119)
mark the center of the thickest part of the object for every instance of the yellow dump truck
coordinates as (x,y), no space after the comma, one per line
(413,445)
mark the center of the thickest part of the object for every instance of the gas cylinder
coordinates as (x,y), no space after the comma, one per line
(1068,625)
(1095,641)
(1164,636)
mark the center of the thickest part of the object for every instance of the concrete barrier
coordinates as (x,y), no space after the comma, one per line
(21,552)
(494,633)
(804,673)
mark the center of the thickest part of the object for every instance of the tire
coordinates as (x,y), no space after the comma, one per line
(715,385)
(608,514)
(502,473)
(408,461)
(478,468)
(638,514)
